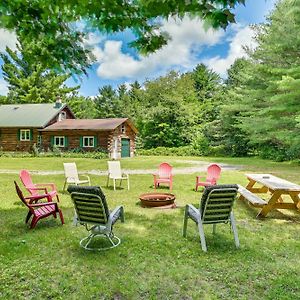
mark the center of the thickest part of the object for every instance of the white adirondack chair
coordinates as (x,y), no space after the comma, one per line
(71,176)
(115,172)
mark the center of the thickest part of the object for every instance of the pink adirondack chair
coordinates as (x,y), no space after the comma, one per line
(39,210)
(213,174)
(34,189)
(164,175)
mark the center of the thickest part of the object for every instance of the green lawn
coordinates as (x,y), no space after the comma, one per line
(153,261)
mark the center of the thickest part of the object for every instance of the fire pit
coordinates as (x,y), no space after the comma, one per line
(158,200)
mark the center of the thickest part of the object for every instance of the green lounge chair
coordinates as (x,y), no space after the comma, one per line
(92,212)
(215,207)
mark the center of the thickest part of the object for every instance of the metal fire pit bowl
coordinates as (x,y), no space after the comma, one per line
(158,200)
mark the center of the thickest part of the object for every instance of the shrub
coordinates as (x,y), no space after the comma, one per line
(172,151)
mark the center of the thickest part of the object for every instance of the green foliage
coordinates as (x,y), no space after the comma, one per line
(76,153)
(108,104)
(28,80)
(169,151)
(206,82)
(168,111)
(82,107)
(265,89)
(53,24)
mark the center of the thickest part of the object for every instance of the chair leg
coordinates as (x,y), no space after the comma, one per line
(214,228)
(64,188)
(234,229)
(120,182)
(107,181)
(196,187)
(128,183)
(28,216)
(57,198)
(61,216)
(185,221)
(34,222)
(114,184)
(202,236)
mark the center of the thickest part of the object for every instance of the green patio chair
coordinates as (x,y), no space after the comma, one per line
(92,212)
(215,207)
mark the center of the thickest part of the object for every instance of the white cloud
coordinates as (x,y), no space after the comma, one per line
(3,87)
(188,38)
(243,37)
(7,39)
(92,39)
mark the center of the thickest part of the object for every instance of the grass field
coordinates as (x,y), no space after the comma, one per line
(153,261)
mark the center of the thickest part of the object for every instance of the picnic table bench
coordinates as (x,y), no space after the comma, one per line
(252,198)
(273,185)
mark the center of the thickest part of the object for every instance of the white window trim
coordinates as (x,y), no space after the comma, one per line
(25,133)
(62,116)
(88,137)
(123,128)
(59,136)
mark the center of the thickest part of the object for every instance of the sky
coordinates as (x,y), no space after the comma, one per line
(190,44)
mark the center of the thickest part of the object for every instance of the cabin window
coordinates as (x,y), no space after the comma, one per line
(62,116)
(59,141)
(88,141)
(123,129)
(25,135)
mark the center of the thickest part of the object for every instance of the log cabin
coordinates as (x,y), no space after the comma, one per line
(54,126)
(20,124)
(115,135)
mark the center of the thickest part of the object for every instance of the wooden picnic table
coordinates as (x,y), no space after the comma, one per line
(277,187)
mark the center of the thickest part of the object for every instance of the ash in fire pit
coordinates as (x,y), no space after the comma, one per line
(162,200)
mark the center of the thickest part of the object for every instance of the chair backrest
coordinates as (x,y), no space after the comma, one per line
(27,181)
(71,171)
(90,204)
(20,194)
(213,172)
(164,170)
(216,203)
(114,169)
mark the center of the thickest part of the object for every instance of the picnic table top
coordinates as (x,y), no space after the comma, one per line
(273,182)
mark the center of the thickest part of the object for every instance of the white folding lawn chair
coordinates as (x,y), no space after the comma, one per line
(71,176)
(115,173)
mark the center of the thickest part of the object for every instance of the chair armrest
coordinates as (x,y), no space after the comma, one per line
(192,208)
(47,184)
(39,189)
(86,176)
(38,197)
(44,204)
(119,212)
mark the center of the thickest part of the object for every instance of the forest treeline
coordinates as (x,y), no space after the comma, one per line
(255,111)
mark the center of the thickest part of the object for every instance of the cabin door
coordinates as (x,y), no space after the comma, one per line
(125,152)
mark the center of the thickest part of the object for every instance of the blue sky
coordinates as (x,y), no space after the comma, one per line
(191,44)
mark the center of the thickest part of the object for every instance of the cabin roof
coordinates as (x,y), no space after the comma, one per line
(89,124)
(29,115)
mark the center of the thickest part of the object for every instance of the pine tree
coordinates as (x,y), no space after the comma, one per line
(269,98)
(29,81)
(107,103)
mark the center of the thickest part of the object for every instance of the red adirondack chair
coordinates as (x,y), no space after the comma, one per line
(39,210)
(164,175)
(34,189)
(213,174)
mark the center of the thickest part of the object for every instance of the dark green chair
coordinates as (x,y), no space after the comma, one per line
(215,207)
(92,212)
